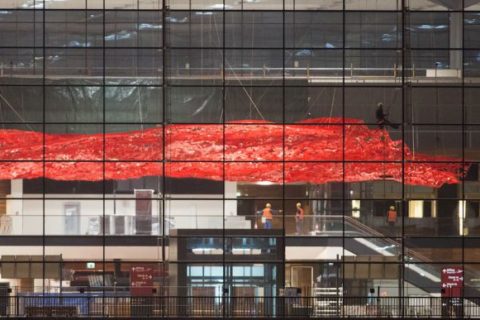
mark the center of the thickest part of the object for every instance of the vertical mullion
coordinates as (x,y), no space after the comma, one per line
(163,220)
(225,293)
(283,152)
(103,153)
(343,153)
(464,133)
(401,267)
(44,142)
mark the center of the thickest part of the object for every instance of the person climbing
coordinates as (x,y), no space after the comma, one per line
(267,216)
(299,215)
(382,119)
(392,220)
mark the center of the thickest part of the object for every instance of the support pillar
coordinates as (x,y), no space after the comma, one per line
(230,193)
(456,42)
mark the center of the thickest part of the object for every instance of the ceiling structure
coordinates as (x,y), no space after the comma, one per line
(247,4)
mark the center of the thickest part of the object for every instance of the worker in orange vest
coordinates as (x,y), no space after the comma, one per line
(299,215)
(392,219)
(267,216)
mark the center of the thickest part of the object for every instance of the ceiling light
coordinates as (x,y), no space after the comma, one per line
(264,183)
(220,6)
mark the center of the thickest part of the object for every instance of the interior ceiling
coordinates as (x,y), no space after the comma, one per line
(247,4)
(455,4)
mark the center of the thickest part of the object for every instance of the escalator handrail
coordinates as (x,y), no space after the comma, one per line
(378,234)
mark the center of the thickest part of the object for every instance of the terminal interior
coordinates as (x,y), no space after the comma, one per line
(141,141)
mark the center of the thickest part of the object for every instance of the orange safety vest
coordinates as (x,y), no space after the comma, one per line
(392,216)
(267,213)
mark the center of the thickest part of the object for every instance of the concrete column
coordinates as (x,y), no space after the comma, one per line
(456,41)
(17,188)
(447,210)
(14,207)
(230,193)
(4,192)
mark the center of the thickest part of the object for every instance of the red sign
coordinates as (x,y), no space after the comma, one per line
(452,282)
(141,281)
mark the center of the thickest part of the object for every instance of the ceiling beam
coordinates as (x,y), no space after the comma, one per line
(469,3)
(455,4)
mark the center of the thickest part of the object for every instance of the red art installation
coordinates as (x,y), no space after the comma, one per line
(310,151)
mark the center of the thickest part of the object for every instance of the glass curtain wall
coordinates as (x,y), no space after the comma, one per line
(241,153)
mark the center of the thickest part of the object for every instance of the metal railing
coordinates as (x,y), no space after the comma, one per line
(125,224)
(176,72)
(88,305)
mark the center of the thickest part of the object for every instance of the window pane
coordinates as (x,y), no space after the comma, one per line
(373,30)
(195,29)
(21,28)
(313,30)
(73,104)
(133,29)
(254,29)
(73,28)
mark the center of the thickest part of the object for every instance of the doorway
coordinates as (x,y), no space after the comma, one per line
(232,290)
(302,277)
(72,218)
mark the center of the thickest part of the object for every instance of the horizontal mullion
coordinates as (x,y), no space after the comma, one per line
(406,126)
(168,85)
(126,195)
(228,48)
(41,10)
(347,162)
(84,48)
(102,85)
(82,123)
(227,10)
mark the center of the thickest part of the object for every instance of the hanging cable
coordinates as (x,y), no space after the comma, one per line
(15,111)
(333,101)
(239,79)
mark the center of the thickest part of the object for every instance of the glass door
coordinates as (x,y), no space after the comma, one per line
(204,290)
(250,289)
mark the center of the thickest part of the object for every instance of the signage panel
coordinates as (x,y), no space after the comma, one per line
(141,281)
(452,282)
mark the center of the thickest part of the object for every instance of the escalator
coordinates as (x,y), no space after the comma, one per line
(362,240)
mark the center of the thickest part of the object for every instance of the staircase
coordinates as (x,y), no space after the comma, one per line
(327,302)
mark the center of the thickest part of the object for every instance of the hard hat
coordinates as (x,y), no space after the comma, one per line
(392,208)
(299,204)
(268,205)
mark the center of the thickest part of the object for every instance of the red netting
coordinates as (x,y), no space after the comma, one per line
(196,151)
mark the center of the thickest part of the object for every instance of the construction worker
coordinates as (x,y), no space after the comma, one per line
(392,219)
(299,215)
(382,119)
(267,216)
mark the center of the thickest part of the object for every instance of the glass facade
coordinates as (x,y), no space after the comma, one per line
(240,158)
